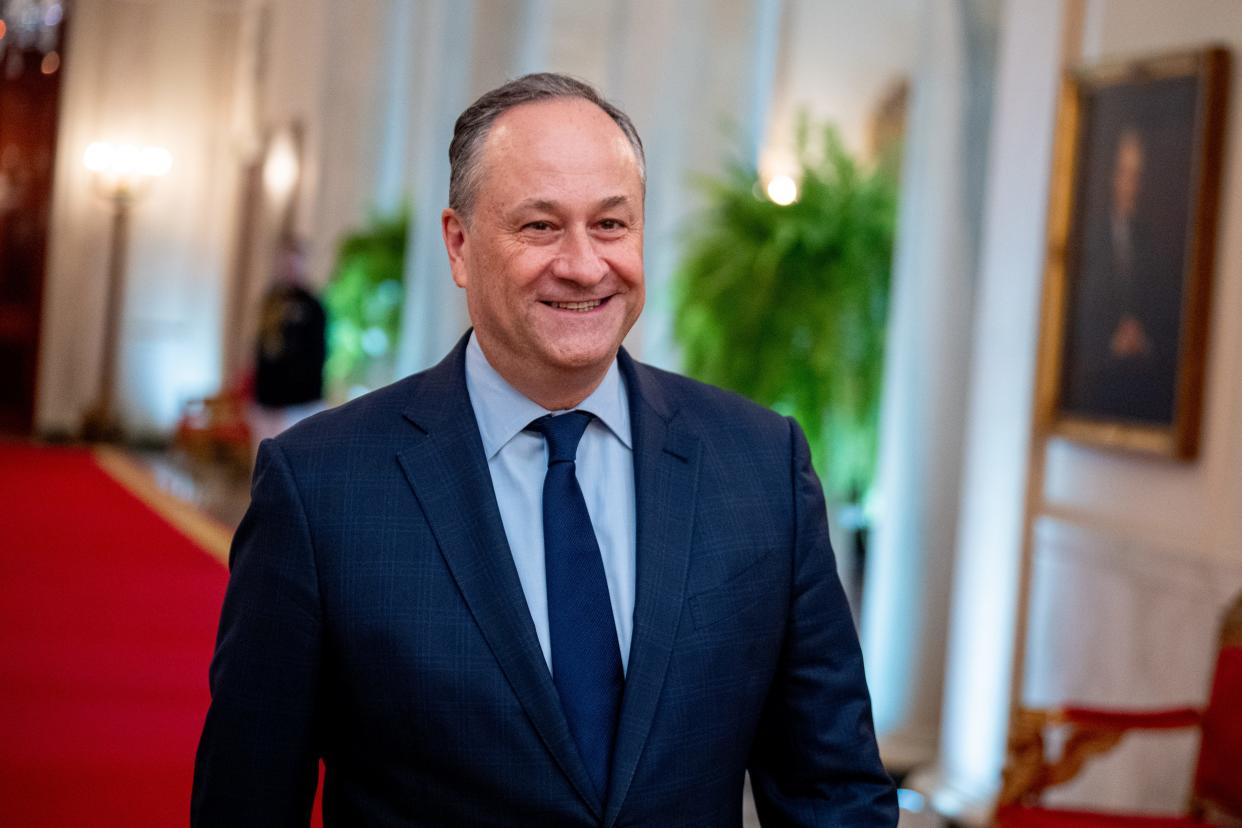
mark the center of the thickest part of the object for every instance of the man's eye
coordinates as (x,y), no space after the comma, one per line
(611,224)
(538,226)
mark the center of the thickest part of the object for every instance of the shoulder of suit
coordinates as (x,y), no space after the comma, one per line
(699,402)
(365,416)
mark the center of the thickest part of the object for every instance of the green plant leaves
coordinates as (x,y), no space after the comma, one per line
(788,304)
(363,299)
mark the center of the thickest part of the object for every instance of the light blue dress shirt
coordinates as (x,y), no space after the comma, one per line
(518,461)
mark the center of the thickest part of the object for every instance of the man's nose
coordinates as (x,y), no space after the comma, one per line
(578,260)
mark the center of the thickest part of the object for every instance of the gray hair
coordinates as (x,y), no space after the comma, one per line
(473,125)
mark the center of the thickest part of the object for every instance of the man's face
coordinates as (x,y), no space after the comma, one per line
(551,257)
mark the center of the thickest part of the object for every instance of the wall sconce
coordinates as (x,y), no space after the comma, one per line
(281,167)
(121,174)
(282,175)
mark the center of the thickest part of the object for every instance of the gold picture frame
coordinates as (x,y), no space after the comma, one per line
(1131,239)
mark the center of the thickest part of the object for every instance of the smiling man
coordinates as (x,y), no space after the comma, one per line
(540,584)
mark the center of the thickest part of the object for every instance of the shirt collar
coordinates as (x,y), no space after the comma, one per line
(502,412)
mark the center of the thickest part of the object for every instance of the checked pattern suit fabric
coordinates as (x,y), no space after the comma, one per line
(374,618)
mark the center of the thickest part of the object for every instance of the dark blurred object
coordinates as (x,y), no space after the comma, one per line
(1217,789)
(292,337)
(31,57)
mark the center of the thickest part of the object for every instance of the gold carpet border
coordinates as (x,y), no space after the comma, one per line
(188,519)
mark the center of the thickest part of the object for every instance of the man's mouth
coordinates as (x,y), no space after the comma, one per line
(580,307)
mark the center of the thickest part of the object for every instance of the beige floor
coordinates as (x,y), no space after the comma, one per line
(219,491)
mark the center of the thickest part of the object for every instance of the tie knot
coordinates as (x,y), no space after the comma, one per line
(563,434)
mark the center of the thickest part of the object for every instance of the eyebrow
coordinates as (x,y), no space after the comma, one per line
(614,201)
(550,206)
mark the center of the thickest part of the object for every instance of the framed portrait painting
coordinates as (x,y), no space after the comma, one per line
(1132,229)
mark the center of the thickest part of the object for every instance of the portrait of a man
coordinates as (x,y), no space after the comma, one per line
(1127,277)
(1137,253)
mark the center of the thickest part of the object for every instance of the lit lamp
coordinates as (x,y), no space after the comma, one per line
(782,190)
(120,173)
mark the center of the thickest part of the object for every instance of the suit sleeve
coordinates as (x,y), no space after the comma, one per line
(257,761)
(815,761)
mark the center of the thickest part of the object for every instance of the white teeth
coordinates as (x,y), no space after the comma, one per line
(576,306)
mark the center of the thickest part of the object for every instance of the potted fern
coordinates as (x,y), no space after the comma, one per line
(787,304)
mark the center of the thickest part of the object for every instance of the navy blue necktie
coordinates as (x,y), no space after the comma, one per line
(586,659)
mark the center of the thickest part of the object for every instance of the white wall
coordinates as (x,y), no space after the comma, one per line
(150,73)
(838,59)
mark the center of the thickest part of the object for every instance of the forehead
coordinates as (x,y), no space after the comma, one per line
(556,141)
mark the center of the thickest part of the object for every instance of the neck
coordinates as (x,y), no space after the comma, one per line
(564,390)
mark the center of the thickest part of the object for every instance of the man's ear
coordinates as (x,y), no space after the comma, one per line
(454,231)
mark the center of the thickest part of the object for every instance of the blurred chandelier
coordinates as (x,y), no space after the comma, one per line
(30,24)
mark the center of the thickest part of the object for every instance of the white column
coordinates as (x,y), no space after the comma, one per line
(905,606)
(680,66)
(532,41)
(465,49)
(434,314)
(765,57)
(998,424)
(392,171)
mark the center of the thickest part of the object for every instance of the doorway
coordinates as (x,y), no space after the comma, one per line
(30,73)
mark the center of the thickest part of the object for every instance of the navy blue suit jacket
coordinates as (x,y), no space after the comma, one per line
(374,618)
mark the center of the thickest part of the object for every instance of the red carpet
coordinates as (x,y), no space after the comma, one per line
(107,621)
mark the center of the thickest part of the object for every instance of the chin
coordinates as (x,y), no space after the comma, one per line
(582,361)
(578,358)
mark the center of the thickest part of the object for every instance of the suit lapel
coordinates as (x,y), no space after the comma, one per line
(446,467)
(666,459)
